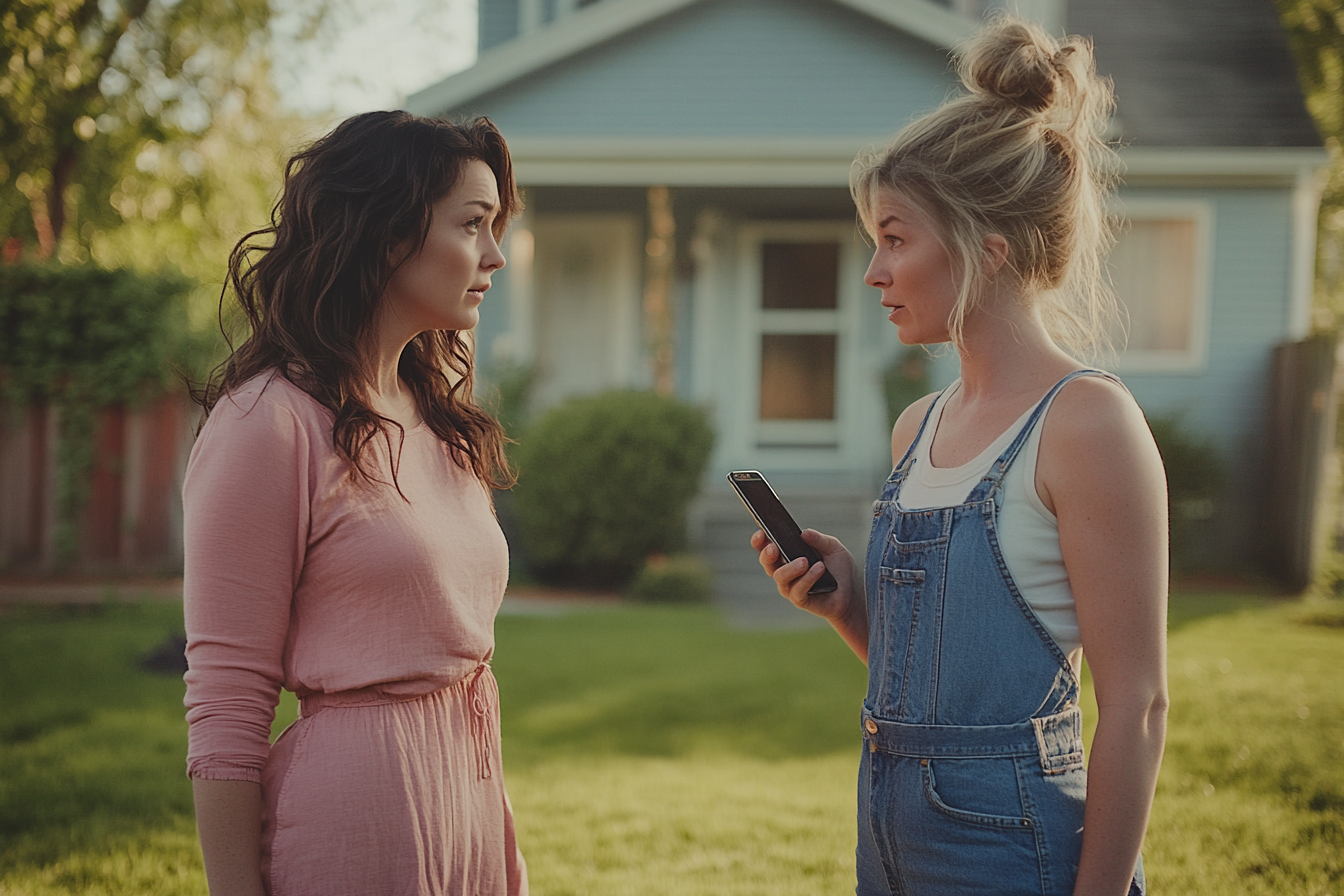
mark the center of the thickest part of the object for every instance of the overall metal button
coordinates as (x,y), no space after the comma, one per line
(870,726)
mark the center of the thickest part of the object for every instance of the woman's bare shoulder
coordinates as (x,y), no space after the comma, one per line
(1095,440)
(1094,409)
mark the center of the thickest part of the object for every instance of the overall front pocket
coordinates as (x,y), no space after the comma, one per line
(975,791)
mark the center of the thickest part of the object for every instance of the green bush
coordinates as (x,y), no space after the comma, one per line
(681,579)
(905,380)
(1195,473)
(604,481)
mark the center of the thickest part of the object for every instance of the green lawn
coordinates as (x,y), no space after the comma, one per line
(655,751)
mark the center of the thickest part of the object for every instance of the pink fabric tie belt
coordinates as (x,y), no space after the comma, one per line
(480,691)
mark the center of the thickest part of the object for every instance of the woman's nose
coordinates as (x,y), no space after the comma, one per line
(875,276)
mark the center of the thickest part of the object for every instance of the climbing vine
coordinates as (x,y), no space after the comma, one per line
(82,338)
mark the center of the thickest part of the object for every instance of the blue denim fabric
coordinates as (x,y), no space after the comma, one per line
(972,778)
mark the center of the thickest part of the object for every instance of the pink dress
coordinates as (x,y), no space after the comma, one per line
(378,612)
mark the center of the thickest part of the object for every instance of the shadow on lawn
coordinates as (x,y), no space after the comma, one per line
(90,744)
(1187,606)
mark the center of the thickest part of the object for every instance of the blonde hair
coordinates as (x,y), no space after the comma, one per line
(1022,155)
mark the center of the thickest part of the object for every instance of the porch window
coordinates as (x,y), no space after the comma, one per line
(1159,269)
(798,376)
(799,298)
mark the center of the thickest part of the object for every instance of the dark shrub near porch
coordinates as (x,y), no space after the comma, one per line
(604,481)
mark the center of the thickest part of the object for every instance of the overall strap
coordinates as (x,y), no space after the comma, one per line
(909,457)
(989,485)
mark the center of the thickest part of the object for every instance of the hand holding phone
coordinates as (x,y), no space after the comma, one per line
(777,524)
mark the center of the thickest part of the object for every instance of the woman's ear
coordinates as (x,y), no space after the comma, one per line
(996,254)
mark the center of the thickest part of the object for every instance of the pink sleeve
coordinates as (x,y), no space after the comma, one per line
(245,521)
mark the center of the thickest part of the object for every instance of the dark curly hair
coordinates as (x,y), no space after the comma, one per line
(311,296)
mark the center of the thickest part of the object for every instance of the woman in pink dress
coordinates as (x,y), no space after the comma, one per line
(340,538)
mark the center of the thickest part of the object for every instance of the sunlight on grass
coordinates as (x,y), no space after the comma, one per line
(654,750)
(703,825)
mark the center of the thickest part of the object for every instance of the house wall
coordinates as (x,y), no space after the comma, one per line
(731,68)
(1227,399)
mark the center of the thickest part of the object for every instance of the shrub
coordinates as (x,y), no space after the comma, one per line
(681,579)
(604,482)
(905,380)
(1195,474)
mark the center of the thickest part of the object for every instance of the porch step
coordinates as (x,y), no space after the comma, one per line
(721,531)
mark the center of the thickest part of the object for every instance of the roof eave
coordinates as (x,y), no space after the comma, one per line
(601,22)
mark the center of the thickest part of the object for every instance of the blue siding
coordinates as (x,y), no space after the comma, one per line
(497,22)
(1249,299)
(737,67)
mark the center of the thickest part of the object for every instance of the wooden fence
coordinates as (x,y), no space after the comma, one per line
(1301,438)
(133,516)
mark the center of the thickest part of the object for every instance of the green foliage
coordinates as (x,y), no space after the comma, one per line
(1315,30)
(88,86)
(1195,475)
(679,579)
(905,380)
(509,390)
(605,481)
(1194,465)
(82,338)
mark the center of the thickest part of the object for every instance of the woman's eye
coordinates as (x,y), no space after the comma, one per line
(475,224)
(893,241)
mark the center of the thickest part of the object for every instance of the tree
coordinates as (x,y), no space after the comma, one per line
(1315,31)
(94,91)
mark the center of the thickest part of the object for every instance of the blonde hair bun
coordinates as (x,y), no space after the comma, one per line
(1016,63)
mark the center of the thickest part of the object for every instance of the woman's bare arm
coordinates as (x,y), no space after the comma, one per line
(228,819)
(1099,471)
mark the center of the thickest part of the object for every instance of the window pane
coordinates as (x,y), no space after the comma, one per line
(798,376)
(799,275)
(1153,266)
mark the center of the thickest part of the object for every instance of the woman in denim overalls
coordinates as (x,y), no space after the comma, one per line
(988,218)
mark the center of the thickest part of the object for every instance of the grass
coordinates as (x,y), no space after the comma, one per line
(653,750)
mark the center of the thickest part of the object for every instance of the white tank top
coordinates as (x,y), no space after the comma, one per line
(1028,532)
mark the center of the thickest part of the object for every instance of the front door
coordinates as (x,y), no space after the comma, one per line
(587,302)
(802,358)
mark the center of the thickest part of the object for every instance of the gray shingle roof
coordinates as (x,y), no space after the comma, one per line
(1197,72)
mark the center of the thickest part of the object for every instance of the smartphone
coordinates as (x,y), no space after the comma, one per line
(765,507)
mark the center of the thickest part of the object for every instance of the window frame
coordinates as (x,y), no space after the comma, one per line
(1194,358)
(783,441)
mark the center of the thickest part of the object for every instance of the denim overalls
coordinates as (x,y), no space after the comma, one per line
(972,776)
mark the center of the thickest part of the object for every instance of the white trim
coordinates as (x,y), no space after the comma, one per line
(826,162)
(1195,358)
(572,34)
(796,444)
(1267,164)
(1302,274)
(707,252)
(515,343)
(695,161)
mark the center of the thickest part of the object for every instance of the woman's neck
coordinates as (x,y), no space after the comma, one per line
(389,395)
(1006,351)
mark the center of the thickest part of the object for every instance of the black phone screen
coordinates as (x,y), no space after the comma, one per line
(777,523)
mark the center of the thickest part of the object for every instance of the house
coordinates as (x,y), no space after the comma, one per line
(689,224)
